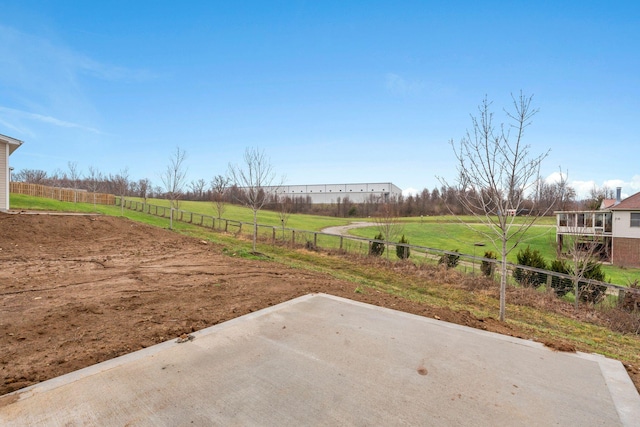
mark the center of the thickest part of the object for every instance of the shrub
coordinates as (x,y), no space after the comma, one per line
(353,211)
(403,251)
(450,260)
(488,267)
(592,293)
(377,248)
(530,258)
(561,286)
(631,301)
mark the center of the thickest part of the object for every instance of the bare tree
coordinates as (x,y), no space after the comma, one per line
(252,179)
(144,186)
(285,206)
(581,249)
(197,188)
(31,176)
(554,195)
(388,225)
(597,195)
(94,180)
(219,187)
(74,179)
(495,171)
(120,183)
(174,180)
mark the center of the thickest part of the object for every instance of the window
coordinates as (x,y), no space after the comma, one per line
(635,219)
(562,220)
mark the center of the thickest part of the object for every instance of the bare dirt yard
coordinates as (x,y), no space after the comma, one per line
(76,290)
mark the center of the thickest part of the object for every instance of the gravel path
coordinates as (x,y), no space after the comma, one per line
(343,230)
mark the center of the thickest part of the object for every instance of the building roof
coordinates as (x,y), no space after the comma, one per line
(630,203)
(607,203)
(13,143)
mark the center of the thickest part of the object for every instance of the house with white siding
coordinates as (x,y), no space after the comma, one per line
(7,146)
(615,226)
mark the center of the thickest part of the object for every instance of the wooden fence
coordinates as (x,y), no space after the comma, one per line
(62,194)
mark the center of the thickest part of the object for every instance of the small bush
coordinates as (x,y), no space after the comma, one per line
(377,248)
(592,293)
(450,260)
(530,258)
(631,301)
(488,267)
(561,286)
(403,251)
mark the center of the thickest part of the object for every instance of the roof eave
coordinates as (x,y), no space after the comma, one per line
(12,142)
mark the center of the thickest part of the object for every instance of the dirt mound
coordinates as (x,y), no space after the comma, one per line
(76,290)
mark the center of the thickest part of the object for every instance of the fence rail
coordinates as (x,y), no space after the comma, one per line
(357,245)
(62,194)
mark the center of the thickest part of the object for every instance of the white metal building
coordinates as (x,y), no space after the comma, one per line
(330,193)
(7,146)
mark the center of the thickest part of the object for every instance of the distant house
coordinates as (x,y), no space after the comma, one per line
(615,227)
(7,146)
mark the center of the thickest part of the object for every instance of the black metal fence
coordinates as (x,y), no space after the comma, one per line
(362,246)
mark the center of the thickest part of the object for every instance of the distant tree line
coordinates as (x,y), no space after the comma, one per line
(438,201)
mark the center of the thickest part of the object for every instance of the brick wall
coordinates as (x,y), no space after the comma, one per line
(626,252)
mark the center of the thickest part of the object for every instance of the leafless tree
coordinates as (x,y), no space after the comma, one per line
(173,179)
(388,225)
(252,178)
(120,183)
(495,171)
(74,179)
(219,187)
(285,206)
(197,188)
(94,180)
(144,186)
(580,250)
(554,195)
(597,195)
(31,176)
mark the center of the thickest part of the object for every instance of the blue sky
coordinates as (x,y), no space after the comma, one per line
(332,91)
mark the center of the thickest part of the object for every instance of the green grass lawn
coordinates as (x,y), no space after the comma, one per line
(466,239)
(270,218)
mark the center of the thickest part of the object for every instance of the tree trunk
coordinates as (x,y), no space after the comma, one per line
(503,281)
(255,228)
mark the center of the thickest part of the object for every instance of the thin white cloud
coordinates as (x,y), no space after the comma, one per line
(397,85)
(25,51)
(41,118)
(583,188)
(45,80)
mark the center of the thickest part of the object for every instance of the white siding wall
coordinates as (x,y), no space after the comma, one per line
(330,193)
(4,176)
(621,225)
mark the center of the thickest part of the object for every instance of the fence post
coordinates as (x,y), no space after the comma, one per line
(226,225)
(273,236)
(293,237)
(340,242)
(315,240)
(621,296)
